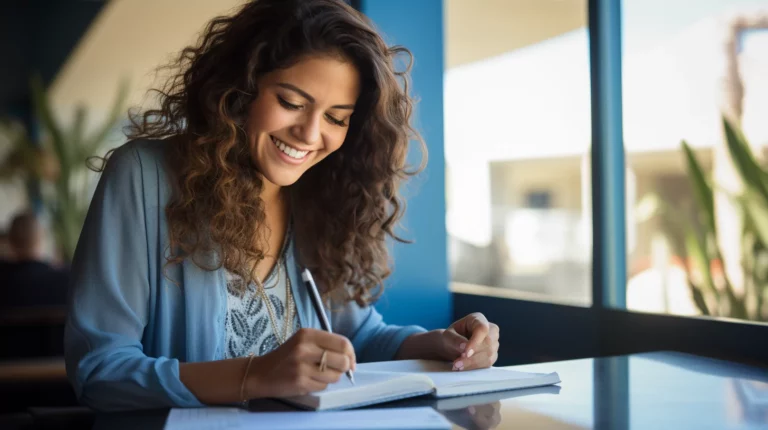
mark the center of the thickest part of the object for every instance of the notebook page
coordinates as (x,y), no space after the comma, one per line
(452,383)
(449,378)
(404,366)
(369,388)
(362,379)
(442,373)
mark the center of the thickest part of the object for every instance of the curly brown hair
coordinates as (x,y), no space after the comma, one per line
(343,209)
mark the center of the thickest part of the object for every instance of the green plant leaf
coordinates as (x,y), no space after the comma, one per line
(76,136)
(744,161)
(91,145)
(45,115)
(697,251)
(755,211)
(702,190)
(738,308)
(698,298)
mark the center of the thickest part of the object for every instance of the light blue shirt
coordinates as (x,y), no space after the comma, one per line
(129,325)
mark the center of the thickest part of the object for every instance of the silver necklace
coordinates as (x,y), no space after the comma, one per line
(289,305)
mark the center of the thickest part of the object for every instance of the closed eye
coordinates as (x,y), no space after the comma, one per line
(335,121)
(290,106)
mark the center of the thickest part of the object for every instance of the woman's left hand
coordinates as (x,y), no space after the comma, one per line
(473,342)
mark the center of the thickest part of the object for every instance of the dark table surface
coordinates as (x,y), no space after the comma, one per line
(643,391)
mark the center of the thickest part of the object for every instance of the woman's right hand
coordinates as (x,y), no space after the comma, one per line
(293,369)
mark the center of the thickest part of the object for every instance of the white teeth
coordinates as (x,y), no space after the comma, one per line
(287,150)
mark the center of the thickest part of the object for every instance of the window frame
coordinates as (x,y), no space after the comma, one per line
(547,330)
(537,331)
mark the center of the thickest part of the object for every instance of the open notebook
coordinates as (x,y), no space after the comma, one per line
(391,380)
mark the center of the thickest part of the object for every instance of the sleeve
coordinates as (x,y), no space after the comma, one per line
(109,301)
(372,338)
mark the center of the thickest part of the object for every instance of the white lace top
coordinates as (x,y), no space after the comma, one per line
(248,325)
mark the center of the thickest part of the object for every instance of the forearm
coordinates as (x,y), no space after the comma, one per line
(215,382)
(424,346)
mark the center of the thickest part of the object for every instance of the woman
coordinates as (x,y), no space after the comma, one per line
(279,145)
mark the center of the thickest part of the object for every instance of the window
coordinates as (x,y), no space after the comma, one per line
(680,73)
(517,138)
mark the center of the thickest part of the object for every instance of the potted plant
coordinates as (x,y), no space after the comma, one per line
(58,162)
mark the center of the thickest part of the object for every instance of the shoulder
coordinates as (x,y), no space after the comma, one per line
(136,175)
(139,153)
(141,163)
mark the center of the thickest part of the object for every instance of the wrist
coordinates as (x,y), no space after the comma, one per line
(253,382)
(425,346)
(439,347)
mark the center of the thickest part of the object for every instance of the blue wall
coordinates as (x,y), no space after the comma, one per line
(417,292)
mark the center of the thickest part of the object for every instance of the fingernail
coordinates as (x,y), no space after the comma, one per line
(470,352)
(462,346)
(459,365)
(472,410)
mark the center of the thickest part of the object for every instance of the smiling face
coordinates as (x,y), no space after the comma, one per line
(300,116)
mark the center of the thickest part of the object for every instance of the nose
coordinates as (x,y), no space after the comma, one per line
(308,130)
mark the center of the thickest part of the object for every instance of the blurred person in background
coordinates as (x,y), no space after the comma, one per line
(5,248)
(5,255)
(28,279)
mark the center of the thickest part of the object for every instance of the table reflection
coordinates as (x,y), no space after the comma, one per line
(642,391)
(475,412)
(480,417)
(645,391)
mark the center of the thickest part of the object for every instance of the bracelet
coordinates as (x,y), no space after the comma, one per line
(245,376)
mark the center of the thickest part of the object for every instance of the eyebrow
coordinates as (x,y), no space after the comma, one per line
(311,99)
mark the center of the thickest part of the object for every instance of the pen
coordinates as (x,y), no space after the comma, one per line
(318,305)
